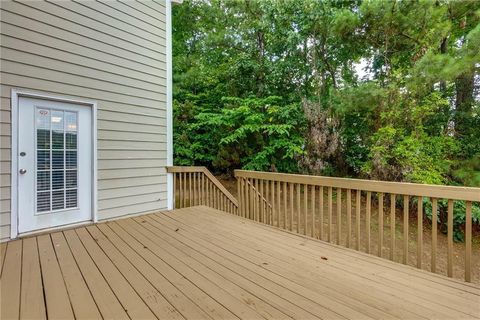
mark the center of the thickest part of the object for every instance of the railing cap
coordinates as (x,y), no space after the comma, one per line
(402,188)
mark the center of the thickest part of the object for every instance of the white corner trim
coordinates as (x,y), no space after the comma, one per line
(14,165)
(168,31)
(14,97)
(94,163)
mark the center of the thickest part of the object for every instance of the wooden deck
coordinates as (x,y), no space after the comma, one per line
(200,263)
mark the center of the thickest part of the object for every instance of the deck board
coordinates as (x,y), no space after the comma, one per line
(56,296)
(200,263)
(10,281)
(351,285)
(32,300)
(105,299)
(83,304)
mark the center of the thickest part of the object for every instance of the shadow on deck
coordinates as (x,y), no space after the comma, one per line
(199,263)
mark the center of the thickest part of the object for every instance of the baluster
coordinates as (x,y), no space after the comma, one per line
(305,209)
(392,226)
(221,200)
(262,210)
(468,241)
(195,188)
(174,189)
(241,202)
(349,218)
(291,206)
(198,188)
(239,191)
(284,203)
(406,213)
(420,232)
(314,219)
(214,202)
(275,210)
(214,195)
(224,201)
(272,201)
(180,189)
(256,209)
(358,204)
(434,235)
(185,189)
(339,215)
(190,189)
(367,220)
(320,222)
(380,224)
(214,190)
(245,198)
(330,214)
(252,200)
(450,239)
(210,203)
(202,190)
(298,207)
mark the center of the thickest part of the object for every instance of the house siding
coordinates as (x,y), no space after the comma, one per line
(113,52)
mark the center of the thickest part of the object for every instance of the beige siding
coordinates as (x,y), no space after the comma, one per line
(109,51)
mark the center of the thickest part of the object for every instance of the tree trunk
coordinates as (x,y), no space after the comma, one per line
(464,102)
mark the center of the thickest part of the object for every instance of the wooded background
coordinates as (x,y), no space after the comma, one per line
(384,90)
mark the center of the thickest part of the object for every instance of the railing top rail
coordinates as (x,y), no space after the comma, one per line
(403,188)
(204,170)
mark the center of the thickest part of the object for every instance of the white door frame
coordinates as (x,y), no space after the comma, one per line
(15,95)
(168,31)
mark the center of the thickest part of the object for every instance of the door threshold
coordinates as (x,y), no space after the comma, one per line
(57,228)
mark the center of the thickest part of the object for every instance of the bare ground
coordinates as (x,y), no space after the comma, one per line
(441,252)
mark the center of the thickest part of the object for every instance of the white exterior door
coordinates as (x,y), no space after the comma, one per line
(54,164)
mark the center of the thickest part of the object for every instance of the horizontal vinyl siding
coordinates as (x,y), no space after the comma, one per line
(112,52)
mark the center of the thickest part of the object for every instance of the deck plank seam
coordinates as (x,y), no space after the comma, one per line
(61,234)
(287,279)
(187,279)
(188,267)
(216,272)
(348,251)
(307,253)
(346,270)
(280,285)
(146,278)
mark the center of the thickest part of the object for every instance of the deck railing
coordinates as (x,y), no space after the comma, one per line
(198,186)
(350,212)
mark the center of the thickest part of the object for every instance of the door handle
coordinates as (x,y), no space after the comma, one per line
(22,171)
